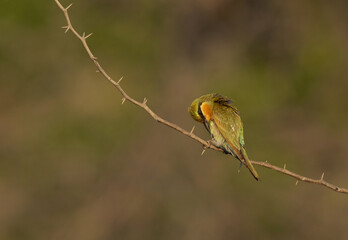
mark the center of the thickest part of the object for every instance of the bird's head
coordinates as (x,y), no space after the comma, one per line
(195,108)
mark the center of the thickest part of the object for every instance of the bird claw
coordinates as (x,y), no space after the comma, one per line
(209,143)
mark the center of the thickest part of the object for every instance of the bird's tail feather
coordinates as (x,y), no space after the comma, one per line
(249,165)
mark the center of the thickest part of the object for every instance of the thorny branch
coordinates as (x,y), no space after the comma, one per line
(190,134)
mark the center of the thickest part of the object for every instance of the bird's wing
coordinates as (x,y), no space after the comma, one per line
(230,126)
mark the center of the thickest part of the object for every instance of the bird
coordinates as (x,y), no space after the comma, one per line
(222,120)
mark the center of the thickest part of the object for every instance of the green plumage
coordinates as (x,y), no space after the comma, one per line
(222,120)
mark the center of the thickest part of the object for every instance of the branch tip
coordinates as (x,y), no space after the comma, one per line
(123,100)
(296,182)
(284,166)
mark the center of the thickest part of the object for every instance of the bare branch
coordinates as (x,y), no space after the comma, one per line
(320,181)
(143,105)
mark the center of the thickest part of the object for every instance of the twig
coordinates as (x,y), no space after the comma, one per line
(190,134)
(319,181)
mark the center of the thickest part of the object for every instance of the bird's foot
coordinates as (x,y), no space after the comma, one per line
(211,142)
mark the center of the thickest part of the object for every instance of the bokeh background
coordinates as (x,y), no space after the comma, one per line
(76,164)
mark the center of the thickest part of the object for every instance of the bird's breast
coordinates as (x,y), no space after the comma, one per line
(206,110)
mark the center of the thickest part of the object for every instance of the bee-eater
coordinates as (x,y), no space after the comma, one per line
(222,120)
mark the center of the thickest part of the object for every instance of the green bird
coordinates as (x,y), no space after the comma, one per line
(222,120)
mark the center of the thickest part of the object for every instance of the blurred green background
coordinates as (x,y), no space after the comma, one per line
(76,164)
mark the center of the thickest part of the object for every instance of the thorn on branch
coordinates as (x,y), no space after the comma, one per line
(67,28)
(205,148)
(97,71)
(118,82)
(94,58)
(296,182)
(123,100)
(88,35)
(193,128)
(145,101)
(284,166)
(322,177)
(66,9)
